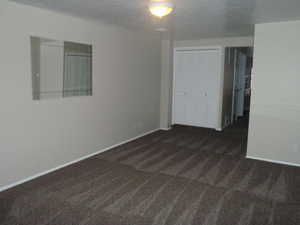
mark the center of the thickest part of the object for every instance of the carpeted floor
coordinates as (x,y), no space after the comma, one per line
(185,176)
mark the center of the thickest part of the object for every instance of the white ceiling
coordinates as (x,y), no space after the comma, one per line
(192,19)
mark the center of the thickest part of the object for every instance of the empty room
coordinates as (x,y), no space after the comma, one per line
(150,112)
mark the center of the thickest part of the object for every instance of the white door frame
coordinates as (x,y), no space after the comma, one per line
(221,50)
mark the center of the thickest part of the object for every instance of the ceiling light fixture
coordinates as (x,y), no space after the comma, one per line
(160,9)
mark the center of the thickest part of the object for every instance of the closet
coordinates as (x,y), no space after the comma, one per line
(197,87)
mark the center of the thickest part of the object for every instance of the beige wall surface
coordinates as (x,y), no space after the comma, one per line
(36,136)
(274,132)
(166,84)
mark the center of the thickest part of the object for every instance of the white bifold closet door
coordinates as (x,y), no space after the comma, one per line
(196,87)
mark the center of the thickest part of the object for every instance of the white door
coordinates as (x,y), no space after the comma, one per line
(240,83)
(196,87)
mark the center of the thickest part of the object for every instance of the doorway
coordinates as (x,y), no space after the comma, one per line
(241,93)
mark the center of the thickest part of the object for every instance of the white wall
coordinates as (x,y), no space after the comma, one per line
(274,132)
(224,42)
(36,136)
(166,84)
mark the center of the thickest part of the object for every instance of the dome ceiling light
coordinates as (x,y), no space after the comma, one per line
(160,9)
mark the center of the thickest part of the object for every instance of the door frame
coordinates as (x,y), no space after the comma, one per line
(221,50)
(233,86)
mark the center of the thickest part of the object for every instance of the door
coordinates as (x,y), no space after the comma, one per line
(240,83)
(196,87)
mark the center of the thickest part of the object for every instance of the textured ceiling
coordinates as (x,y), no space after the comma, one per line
(192,19)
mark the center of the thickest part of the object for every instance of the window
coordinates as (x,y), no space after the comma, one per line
(60,69)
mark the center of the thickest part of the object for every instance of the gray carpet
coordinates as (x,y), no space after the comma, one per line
(185,176)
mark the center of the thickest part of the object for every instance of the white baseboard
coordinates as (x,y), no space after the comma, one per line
(273,161)
(72,162)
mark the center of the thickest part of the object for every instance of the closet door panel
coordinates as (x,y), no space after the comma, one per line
(181,74)
(195,89)
(211,77)
(180,109)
